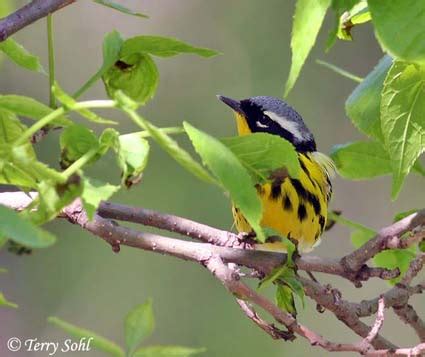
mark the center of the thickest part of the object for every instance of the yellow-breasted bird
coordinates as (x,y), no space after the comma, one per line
(295,208)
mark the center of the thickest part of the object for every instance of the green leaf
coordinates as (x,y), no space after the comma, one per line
(133,153)
(167,351)
(98,342)
(75,141)
(263,153)
(308,18)
(70,104)
(10,130)
(285,299)
(406,39)
(111,53)
(290,279)
(3,241)
(272,277)
(53,197)
(96,191)
(162,47)
(389,259)
(399,216)
(119,7)
(18,54)
(232,175)
(361,160)
(403,118)
(138,325)
(339,7)
(6,303)
(358,14)
(20,230)
(30,108)
(136,75)
(363,104)
(168,144)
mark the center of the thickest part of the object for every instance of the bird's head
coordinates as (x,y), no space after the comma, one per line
(271,115)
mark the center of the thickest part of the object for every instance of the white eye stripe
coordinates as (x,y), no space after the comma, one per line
(286,124)
(261,125)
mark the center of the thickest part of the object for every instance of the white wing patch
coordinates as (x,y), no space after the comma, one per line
(286,124)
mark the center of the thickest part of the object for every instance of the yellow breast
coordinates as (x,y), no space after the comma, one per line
(295,208)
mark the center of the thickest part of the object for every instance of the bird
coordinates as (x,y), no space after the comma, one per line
(296,208)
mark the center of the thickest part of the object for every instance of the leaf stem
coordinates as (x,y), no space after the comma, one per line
(340,71)
(348,223)
(171,130)
(92,80)
(79,163)
(51,50)
(27,134)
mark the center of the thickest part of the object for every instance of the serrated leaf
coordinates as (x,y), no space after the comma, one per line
(136,75)
(232,175)
(75,141)
(18,54)
(168,351)
(308,19)
(112,43)
(96,191)
(138,325)
(406,40)
(98,342)
(70,104)
(285,299)
(20,230)
(361,160)
(263,153)
(162,47)
(363,104)
(168,144)
(11,129)
(133,154)
(30,108)
(6,303)
(119,7)
(403,118)
(389,259)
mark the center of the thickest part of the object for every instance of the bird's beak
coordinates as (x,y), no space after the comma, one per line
(232,103)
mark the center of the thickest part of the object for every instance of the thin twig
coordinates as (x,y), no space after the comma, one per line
(270,329)
(28,14)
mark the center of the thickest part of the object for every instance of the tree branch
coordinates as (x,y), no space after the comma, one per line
(28,14)
(409,316)
(388,238)
(227,248)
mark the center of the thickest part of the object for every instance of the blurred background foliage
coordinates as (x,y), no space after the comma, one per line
(81,280)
